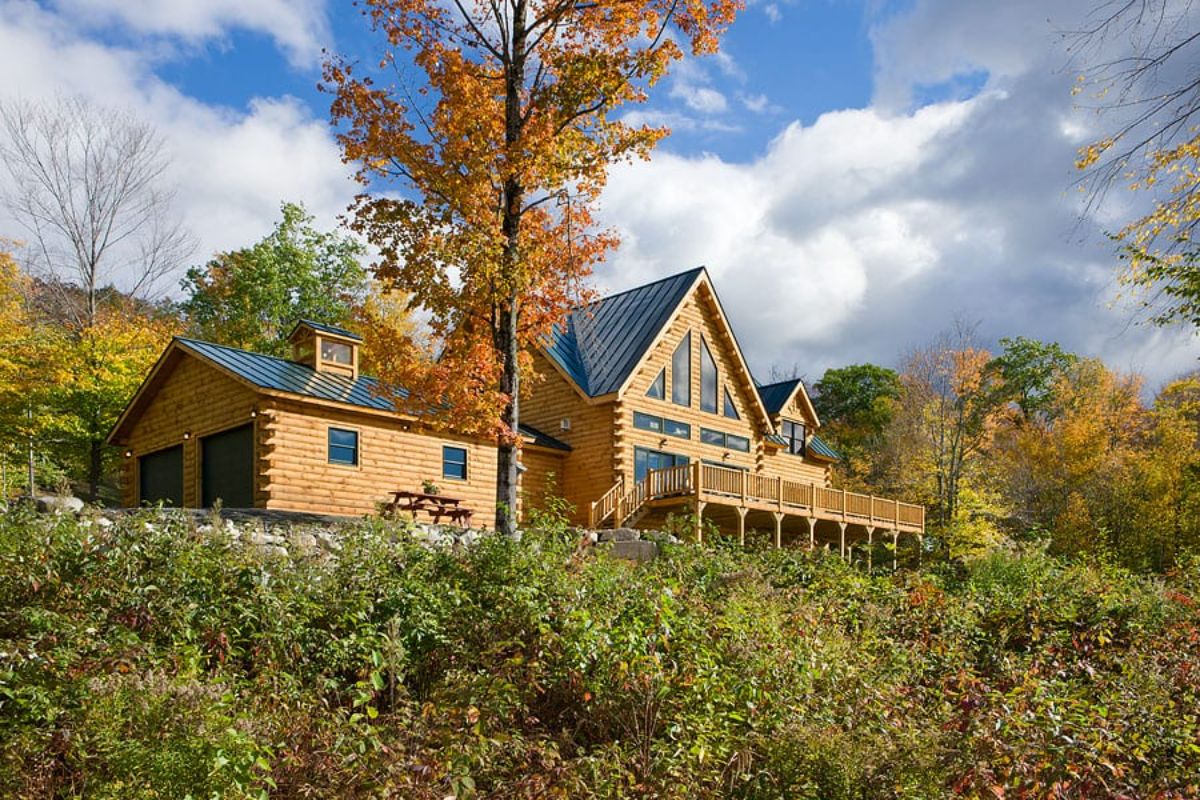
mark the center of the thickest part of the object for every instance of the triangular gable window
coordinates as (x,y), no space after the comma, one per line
(658,389)
(708,379)
(730,408)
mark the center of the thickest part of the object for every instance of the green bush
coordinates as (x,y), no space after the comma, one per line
(152,659)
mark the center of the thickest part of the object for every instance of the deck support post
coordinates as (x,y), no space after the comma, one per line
(870,543)
(700,505)
(742,525)
(895,549)
(812,533)
(778,528)
(842,525)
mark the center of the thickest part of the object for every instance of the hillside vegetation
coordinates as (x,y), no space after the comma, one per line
(152,659)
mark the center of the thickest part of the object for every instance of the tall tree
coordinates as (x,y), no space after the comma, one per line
(502,148)
(89,185)
(250,297)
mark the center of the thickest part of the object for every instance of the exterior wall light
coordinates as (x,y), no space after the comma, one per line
(129,454)
(187,435)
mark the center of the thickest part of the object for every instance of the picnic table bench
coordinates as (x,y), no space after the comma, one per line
(436,505)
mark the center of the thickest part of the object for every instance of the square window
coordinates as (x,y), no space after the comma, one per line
(343,447)
(454,463)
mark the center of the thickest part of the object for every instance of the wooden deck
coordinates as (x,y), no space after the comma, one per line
(701,485)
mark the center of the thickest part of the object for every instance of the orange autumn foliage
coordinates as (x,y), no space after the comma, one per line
(494,158)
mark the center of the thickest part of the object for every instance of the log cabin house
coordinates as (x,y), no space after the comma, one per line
(641,406)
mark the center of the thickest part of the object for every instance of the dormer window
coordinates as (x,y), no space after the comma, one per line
(795,433)
(325,348)
(337,352)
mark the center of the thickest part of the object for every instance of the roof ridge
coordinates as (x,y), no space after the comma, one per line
(254,353)
(780,383)
(655,282)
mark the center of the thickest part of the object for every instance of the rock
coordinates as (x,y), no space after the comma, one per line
(619,535)
(637,550)
(266,539)
(53,504)
(305,542)
(661,537)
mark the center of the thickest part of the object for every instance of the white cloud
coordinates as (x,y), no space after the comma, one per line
(299,27)
(773,13)
(232,167)
(703,99)
(867,232)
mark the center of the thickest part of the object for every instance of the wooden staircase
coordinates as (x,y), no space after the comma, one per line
(618,508)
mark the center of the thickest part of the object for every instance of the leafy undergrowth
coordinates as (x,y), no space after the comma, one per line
(154,661)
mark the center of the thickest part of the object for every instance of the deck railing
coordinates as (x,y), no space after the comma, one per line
(708,480)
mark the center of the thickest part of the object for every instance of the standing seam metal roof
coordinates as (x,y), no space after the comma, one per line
(774,395)
(269,372)
(603,342)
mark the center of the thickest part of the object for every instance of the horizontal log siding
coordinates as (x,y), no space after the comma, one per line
(300,477)
(541,479)
(587,472)
(191,396)
(698,315)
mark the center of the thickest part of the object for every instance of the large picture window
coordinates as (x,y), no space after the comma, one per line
(645,460)
(343,447)
(681,373)
(708,379)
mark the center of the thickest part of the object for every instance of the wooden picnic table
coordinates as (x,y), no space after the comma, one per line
(436,505)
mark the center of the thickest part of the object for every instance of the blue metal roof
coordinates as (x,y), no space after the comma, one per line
(817,445)
(775,395)
(321,327)
(603,342)
(278,374)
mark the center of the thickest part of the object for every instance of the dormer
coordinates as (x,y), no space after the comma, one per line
(325,348)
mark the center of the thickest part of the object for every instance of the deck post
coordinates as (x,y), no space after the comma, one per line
(778,528)
(896,513)
(895,549)
(843,504)
(812,533)
(842,525)
(700,504)
(696,488)
(779,492)
(870,545)
(744,479)
(742,525)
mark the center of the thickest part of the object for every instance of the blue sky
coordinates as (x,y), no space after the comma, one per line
(856,175)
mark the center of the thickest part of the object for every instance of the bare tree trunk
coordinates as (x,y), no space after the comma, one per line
(509,317)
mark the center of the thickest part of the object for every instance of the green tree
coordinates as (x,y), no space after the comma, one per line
(249,298)
(856,404)
(1029,370)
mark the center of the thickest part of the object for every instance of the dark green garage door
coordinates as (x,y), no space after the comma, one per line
(227,468)
(160,477)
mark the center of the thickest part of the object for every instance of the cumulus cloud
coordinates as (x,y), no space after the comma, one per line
(865,233)
(299,27)
(232,167)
